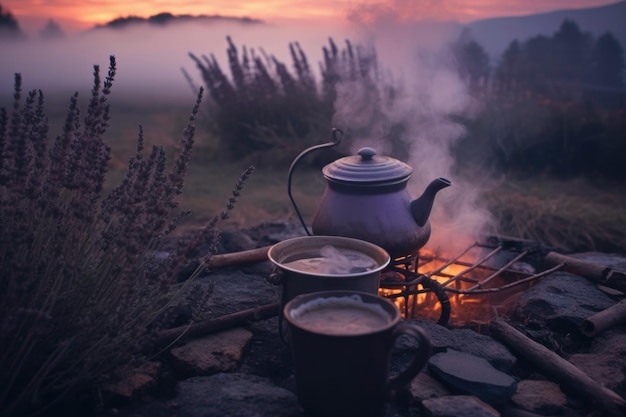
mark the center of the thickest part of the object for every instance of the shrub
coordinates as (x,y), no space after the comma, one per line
(266,111)
(531,136)
(82,286)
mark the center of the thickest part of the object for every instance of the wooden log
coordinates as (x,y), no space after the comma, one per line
(238,258)
(604,319)
(554,366)
(597,273)
(205,327)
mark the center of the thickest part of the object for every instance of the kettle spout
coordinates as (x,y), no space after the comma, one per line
(421,206)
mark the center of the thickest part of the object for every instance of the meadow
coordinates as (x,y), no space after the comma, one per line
(572,215)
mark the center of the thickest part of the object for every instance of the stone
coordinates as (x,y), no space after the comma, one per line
(542,397)
(608,369)
(424,386)
(131,382)
(610,342)
(218,352)
(235,395)
(470,374)
(561,301)
(236,290)
(458,406)
(463,340)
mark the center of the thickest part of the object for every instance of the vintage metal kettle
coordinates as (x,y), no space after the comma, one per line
(366,198)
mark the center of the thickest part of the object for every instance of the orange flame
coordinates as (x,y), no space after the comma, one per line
(422,303)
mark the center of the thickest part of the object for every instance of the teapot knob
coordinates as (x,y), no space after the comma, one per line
(367,153)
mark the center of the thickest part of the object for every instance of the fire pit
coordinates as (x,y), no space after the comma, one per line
(462,288)
(542,349)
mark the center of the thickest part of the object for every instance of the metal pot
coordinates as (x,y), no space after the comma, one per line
(296,281)
(367,198)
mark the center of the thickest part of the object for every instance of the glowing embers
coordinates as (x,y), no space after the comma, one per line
(466,288)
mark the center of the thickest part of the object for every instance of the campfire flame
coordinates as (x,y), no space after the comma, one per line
(473,289)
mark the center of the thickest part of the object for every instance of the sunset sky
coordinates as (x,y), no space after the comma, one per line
(72,14)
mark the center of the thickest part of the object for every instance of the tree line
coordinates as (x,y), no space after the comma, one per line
(559,66)
(553,106)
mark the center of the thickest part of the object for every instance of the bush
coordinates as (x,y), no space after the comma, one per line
(82,286)
(267,112)
(533,136)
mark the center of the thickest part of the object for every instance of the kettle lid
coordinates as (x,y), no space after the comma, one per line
(366,168)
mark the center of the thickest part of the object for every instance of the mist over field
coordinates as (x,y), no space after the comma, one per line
(149,57)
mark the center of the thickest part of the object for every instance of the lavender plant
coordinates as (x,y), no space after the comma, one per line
(266,110)
(81,287)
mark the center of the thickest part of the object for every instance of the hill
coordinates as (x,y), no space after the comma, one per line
(166,18)
(496,34)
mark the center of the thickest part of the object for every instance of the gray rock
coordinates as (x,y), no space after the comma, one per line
(131,382)
(235,395)
(608,369)
(425,386)
(463,340)
(613,342)
(561,301)
(458,406)
(234,290)
(214,353)
(472,375)
(542,397)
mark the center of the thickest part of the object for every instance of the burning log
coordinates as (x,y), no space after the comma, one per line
(205,327)
(597,273)
(604,320)
(558,368)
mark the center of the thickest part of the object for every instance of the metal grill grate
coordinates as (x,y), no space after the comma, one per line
(422,280)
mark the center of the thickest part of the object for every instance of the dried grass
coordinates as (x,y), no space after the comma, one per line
(573,215)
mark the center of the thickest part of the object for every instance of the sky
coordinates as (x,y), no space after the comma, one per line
(75,15)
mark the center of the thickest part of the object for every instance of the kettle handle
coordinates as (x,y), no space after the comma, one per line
(337,134)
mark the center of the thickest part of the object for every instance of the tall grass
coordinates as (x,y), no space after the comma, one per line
(574,215)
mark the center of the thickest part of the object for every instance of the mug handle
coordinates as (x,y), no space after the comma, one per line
(421,356)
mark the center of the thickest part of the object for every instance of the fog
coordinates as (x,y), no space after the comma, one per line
(149,59)
(413,55)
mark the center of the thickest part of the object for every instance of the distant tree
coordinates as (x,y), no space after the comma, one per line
(9,28)
(472,59)
(572,49)
(607,62)
(537,65)
(507,71)
(52,30)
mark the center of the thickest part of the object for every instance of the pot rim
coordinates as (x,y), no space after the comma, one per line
(380,255)
(394,313)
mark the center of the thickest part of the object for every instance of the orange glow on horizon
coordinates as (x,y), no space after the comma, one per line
(86,14)
(90,14)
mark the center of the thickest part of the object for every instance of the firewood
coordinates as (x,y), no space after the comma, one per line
(554,366)
(238,258)
(597,273)
(217,324)
(604,319)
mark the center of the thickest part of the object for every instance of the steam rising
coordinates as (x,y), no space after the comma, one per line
(430,92)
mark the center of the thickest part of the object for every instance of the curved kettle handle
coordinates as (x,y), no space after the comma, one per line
(337,134)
